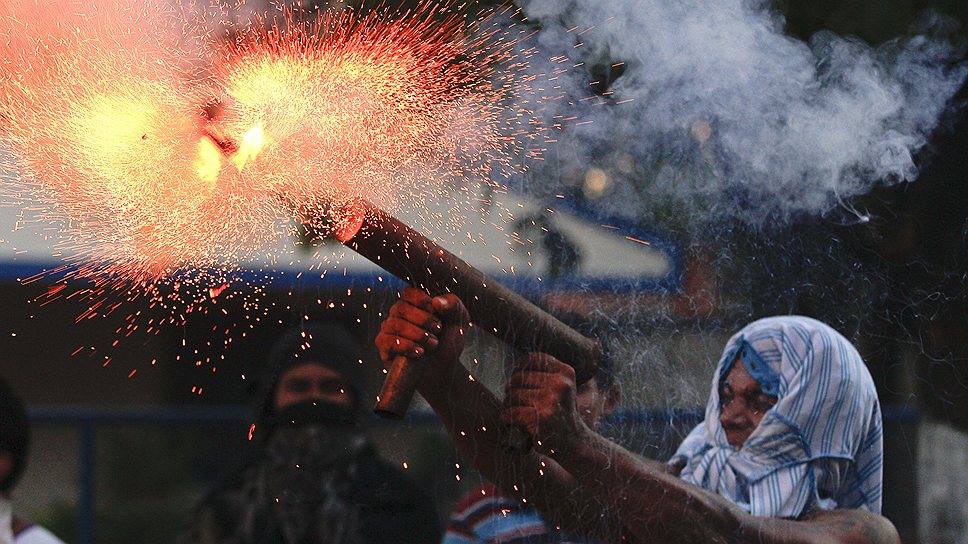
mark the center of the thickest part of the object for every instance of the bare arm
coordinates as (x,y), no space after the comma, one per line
(472,414)
(578,475)
(831,526)
(650,502)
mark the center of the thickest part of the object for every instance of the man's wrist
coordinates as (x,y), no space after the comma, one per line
(438,379)
(573,448)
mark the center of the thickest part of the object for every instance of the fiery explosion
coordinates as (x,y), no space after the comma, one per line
(166,143)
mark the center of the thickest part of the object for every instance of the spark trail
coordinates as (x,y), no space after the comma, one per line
(168,146)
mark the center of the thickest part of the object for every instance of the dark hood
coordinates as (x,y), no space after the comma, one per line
(327,343)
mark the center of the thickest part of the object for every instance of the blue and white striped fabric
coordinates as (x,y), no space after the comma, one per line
(820,446)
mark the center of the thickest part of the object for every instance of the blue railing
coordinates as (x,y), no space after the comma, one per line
(89,420)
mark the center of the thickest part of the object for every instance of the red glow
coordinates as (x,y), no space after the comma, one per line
(104,103)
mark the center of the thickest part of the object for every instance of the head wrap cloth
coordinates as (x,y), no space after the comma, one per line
(326,343)
(827,414)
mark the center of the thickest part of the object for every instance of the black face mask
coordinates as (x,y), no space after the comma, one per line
(306,413)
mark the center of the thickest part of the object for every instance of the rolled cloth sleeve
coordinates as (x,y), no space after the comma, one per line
(793,491)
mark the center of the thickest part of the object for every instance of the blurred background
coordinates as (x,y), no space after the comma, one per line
(130,429)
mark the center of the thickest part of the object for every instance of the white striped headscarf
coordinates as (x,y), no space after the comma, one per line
(826,415)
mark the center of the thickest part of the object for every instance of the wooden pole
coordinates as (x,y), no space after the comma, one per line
(422,263)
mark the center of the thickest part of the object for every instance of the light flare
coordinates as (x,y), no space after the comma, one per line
(165,155)
(208,161)
(250,147)
(110,106)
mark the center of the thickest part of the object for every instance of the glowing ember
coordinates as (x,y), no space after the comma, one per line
(157,166)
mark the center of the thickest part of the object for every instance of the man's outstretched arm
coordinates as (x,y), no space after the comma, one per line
(580,479)
(419,326)
(652,504)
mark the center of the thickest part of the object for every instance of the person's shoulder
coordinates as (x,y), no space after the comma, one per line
(382,486)
(489,503)
(35,534)
(487,493)
(392,504)
(379,474)
(486,514)
(228,488)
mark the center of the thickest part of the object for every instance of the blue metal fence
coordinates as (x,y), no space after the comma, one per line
(89,420)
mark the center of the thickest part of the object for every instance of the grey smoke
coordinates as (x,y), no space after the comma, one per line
(723,113)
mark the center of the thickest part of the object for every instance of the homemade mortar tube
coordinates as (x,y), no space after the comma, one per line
(422,263)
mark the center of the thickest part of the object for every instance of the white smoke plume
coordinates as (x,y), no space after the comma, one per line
(719,111)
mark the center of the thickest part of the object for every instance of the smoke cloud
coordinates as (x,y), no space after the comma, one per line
(718,111)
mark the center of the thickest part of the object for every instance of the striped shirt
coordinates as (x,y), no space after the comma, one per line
(485,516)
(820,446)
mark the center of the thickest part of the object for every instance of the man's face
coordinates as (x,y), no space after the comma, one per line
(742,404)
(313,382)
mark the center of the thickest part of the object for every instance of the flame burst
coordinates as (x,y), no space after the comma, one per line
(163,147)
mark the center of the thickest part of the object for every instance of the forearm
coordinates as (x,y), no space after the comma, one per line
(825,527)
(654,505)
(649,501)
(469,412)
(472,416)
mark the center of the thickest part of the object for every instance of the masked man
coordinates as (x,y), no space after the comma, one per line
(316,477)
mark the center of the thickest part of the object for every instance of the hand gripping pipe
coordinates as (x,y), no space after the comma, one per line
(422,263)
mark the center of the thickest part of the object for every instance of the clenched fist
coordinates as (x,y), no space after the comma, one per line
(541,397)
(419,325)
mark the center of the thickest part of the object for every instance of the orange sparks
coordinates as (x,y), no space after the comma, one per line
(638,241)
(163,147)
(160,146)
